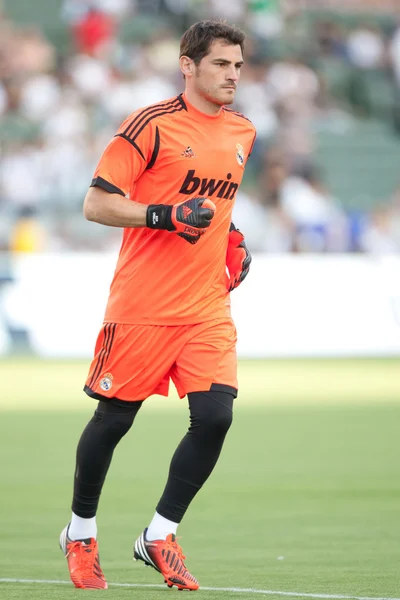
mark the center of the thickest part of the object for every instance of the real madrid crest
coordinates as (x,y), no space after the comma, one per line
(240,154)
(106,382)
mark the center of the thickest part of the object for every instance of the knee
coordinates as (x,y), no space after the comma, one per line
(214,423)
(219,422)
(113,425)
(210,413)
(119,425)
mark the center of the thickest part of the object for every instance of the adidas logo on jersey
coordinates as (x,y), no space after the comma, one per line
(188,153)
(209,187)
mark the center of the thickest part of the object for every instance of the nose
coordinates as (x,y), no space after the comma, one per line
(233,74)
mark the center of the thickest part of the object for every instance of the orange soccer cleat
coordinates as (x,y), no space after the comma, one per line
(83,562)
(166,557)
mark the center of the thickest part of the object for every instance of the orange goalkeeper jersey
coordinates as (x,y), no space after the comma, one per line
(164,154)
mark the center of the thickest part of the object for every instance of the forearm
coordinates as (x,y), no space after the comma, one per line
(189,219)
(113,210)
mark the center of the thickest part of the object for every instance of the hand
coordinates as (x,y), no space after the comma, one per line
(238,258)
(189,219)
(192,217)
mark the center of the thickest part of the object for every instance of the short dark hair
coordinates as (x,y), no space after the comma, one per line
(197,40)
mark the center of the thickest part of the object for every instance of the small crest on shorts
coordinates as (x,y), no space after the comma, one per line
(106,382)
(240,154)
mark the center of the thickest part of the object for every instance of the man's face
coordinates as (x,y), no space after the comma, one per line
(216,76)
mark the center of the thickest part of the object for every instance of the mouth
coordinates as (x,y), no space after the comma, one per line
(229,87)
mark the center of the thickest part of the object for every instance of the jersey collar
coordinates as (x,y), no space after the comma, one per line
(200,116)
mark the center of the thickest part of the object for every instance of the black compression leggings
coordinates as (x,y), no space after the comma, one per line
(198,452)
(101,435)
(191,465)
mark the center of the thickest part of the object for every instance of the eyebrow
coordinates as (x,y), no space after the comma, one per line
(227,62)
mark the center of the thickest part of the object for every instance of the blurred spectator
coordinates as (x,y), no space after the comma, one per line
(75,11)
(394,55)
(28,234)
(118,8)
(265,18)
(91,76)
(233,11)
(378,236)
(330,39)
(394,51)
(366,47)
(256,100)
(40,95)
(161,54)
(94,32)
(320,223)
(21,174)
(294,88)
(26,52)
(294,212)
(3,99)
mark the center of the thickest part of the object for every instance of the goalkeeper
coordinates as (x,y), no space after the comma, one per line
(169,178)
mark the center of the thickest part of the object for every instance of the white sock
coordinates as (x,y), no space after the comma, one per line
(81,529)
(160,527)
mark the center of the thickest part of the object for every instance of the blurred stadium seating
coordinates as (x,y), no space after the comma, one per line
(321,84)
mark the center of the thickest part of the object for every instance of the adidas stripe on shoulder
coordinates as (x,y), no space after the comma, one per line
(133,127)
(143,117)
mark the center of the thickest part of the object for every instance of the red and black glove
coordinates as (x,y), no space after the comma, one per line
(189,219)
(238,258)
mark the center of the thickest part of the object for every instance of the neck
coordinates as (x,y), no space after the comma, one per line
(202,104)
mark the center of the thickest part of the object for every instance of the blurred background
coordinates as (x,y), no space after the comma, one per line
(308,484)
(321,84)
(320,201)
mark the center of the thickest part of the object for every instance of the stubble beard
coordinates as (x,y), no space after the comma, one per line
(214,96)
(211,95)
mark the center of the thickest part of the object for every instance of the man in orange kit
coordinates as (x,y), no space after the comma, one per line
(169,177)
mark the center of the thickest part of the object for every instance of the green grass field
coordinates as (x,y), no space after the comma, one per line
(305,498)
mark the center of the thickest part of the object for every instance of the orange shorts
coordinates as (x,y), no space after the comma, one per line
(133,362)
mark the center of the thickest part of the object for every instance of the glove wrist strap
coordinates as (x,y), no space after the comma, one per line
(158,216)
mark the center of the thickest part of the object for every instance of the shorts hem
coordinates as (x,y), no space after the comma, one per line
(184,390)
(98,396)
(221,387)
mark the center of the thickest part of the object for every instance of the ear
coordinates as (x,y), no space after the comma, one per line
(186,65)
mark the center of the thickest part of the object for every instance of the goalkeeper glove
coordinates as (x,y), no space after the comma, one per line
(238,258)
(189,219)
